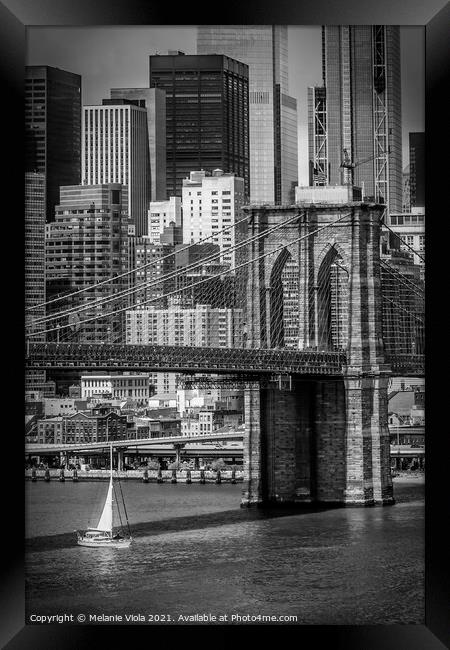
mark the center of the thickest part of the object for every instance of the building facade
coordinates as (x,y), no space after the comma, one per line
(272,112)
(362,118)
(417,169)
(134,387)
(153,275)
(206,115)
(53,129)
(161,214)
(199,326)
(115,150)
(87,244)
(84,427)
(211,206)
(50,430)
(35,208)
(411,229)
(154,102)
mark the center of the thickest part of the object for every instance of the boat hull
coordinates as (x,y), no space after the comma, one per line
(105,543)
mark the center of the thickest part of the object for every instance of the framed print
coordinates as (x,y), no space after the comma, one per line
(307,136)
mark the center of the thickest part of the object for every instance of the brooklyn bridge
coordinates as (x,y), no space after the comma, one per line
(322,315)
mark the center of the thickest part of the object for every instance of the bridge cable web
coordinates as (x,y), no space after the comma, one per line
(149,284)
(230,273)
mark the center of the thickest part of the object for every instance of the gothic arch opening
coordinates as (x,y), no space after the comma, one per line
(284,303)
(332,302)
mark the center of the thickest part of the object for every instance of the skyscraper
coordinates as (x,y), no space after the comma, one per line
(417,169)
(53,129)
(273,113)
(206,115)
(34,264)
(154,101)
(115,150)
(362,93)
(85,245)
(34,247)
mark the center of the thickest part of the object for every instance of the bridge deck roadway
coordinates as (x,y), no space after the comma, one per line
(252,363)
(154,358)
(36,448)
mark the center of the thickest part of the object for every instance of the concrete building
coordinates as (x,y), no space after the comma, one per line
(200,326)
(411,228)
(162,401)
(50,430)
(272,112)
(358,113)
(164,383)
(75,391)
(224,399)
(199,278)
(53,129)
(417,169)
(35,211)
(154,102)
(200,422)
(152,262)
(86,244)
(34,250)
(134,387)
(160,427)
(84,427)
(115,150)
(58,406)
(206,114)
(327,194)
(161,214)
(210,204)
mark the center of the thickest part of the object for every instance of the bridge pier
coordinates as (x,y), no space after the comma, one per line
(321,442)
(368,471)
(120,460)
(252,494)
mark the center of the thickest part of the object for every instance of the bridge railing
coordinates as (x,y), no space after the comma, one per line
(195,359)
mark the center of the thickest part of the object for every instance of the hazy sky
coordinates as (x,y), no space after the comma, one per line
(112,57)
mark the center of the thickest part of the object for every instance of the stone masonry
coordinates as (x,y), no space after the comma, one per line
(320,441)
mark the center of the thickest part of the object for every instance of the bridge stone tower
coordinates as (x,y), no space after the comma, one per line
(317,440)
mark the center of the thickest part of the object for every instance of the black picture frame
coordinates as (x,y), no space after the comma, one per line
(15,16)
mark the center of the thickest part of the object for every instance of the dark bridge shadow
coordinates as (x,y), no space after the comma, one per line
(179,524)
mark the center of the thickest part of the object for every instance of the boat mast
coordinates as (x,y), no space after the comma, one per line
(111,481)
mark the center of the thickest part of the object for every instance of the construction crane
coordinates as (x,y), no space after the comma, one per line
(348,164)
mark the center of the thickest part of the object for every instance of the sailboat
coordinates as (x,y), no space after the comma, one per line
(103,534)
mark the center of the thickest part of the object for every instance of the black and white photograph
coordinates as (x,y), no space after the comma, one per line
(224,325)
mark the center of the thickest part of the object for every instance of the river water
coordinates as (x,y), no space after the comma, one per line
(195,551)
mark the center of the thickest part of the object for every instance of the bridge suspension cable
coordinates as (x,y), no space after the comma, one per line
(154,282)
(404,243)
(131,271)
(226,272)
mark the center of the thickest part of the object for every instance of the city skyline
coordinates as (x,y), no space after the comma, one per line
(110,57)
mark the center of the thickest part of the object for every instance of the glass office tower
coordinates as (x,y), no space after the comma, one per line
(53,129)
(273,113)
(206,115)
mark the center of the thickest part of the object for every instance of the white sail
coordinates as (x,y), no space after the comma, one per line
(106,519)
